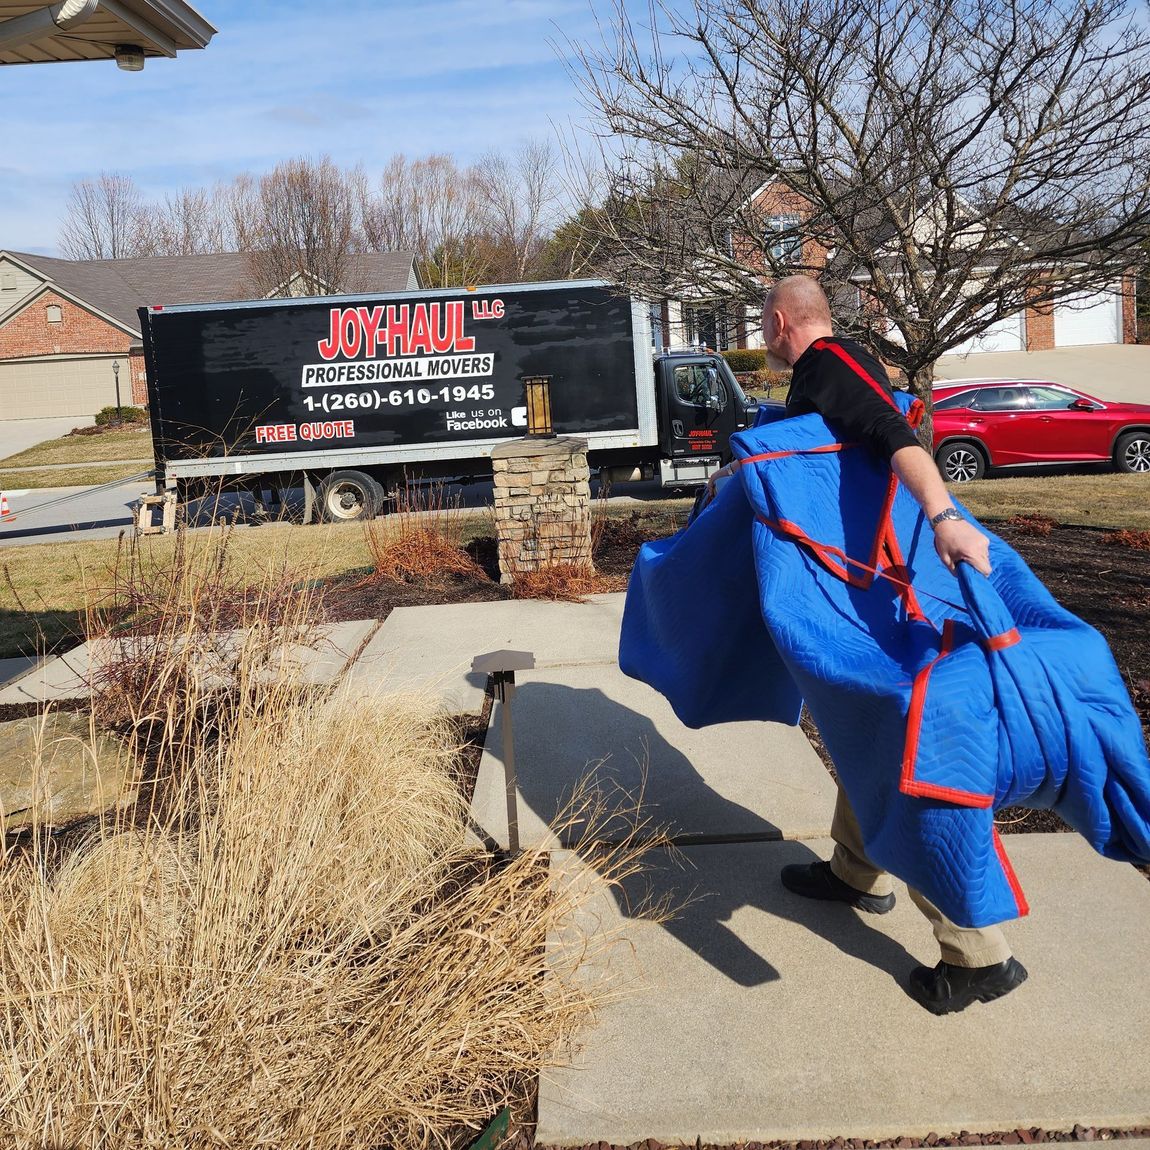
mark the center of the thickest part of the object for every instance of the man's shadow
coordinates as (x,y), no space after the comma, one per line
(570,741)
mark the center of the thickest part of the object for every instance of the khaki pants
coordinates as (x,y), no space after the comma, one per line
(961,946)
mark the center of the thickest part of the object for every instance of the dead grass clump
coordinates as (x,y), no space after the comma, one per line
(1137,540)
(421,540)
(564,581)
(1041,525)
(308,955)
(176,637)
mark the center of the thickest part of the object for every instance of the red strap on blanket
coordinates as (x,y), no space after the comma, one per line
(1011,877)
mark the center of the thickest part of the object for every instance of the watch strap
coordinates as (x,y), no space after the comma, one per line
(948,513)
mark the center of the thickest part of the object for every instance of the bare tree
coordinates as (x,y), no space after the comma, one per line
(517,197)
(102,221)
(940,165)
(305,222)
(186,223)
(433,208)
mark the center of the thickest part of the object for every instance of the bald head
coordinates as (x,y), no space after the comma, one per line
(795,314)
(802,301)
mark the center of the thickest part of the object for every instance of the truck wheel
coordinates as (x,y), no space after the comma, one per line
(347,495)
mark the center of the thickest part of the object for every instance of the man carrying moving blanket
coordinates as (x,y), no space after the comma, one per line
(849,388)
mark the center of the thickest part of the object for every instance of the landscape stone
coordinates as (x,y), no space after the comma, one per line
(54,769)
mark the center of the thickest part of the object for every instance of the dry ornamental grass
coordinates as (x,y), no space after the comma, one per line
(287,941)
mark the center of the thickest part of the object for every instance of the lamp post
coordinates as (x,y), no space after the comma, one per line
(116,374)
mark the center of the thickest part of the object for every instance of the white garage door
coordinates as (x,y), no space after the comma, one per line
(40,389)
(1088,317)
(1003,335)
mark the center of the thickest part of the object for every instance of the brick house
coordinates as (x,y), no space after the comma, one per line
(1107,316)
(70,336)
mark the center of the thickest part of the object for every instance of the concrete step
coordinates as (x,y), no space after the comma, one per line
(759,1015)
(750,780)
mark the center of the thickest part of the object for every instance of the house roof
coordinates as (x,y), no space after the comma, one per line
(117,288)
(36,33)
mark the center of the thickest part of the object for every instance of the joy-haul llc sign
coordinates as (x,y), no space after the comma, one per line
(415,341)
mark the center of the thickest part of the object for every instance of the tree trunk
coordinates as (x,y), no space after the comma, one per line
(921,383)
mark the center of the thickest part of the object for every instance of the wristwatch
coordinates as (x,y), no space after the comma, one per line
(949,513)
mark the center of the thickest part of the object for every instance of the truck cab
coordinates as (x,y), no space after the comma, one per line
(700,406)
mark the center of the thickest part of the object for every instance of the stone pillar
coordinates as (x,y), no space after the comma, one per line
(542,505)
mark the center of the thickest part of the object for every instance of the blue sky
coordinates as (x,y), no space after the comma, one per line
(359,80)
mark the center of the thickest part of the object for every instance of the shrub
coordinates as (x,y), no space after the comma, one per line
(746,359)
(107,415)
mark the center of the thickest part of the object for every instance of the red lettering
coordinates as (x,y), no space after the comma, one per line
(420,340)
(351,336)
(396,332)
(371,321)
(459,342)
(329,348)
(487,309)
(275,433)
(440,334)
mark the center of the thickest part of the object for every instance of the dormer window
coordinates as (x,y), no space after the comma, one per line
(55,313)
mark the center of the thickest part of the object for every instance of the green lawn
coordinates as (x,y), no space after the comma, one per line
(90,476)
(120,443)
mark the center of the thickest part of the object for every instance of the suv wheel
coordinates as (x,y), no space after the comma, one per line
(1132,452)
(961,462)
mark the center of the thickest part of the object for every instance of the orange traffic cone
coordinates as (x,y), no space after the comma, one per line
(4,510)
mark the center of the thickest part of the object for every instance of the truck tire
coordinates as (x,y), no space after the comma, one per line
(348,495)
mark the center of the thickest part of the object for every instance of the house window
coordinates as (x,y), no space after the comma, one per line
(55,313)
(787,246)
(710,326)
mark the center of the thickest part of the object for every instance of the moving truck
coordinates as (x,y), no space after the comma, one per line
(353,398)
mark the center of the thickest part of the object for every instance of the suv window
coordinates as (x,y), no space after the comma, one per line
(1051,398)
(1000,399)
(961,399)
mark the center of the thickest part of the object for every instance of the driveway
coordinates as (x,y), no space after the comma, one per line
(1118,372)
(18,435)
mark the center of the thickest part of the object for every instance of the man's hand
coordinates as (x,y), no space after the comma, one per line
(956,541)
(722,473)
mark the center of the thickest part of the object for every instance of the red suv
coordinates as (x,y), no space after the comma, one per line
(1006,422)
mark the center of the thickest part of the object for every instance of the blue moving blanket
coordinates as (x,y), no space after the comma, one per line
(940,699)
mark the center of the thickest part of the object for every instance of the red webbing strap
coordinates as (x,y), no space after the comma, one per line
(907,783)
(856,367)
(821,450)
(821,550)
(1002,641)
(1011,877)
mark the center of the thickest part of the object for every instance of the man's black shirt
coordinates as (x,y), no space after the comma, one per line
(849,388)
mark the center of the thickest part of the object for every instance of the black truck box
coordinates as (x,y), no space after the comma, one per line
(394,379)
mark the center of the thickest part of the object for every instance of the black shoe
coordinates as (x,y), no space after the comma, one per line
(946,989)
(817,880)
